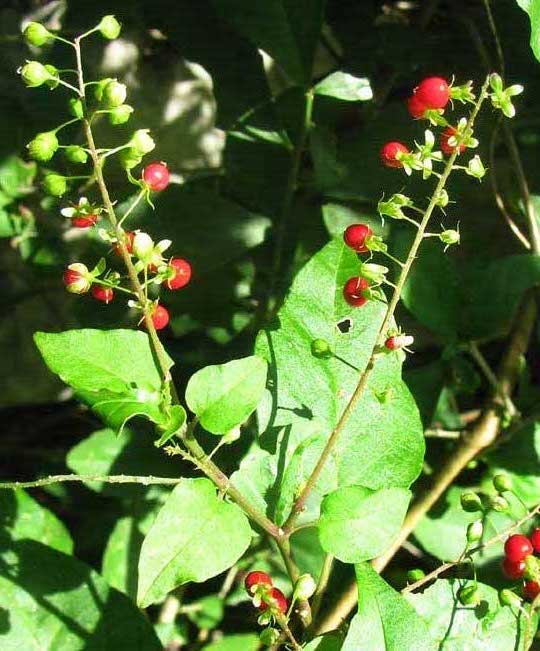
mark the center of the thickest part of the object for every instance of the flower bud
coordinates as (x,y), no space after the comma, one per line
(415,575)
(471,502)
(34,74)
(120,114)
(76,154)
(469,595)
(475,531)
(498,503)
(321,348)
(36,34)
(476,167)
(143,246)
(76,108)
(305,587)
(129,158)
(373,272)
(449,236)
(502,483)
(109,27)
(55,184)
(508,597)
(114,94)
(442,199)
(99,87)
(142,142)
(43,147)
(77,278)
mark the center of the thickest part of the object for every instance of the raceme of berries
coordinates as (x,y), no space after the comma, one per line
(160,317)
(531,589)
(513,569)
(255,579)
(448,149)
(156,176)
(356,236)
(182,273)
(103,294)
(433,92)
(517,547)
(355,291)
(274,600)
(390,153)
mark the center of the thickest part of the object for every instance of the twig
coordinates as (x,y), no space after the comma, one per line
(105,479)
(322,584)
(476,354)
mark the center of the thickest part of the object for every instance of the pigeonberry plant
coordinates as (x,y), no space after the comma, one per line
(262,483)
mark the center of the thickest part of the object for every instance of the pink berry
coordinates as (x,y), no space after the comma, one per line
(353,291)
(355,237)
(77,278)
(389,152)
(129,236)
(156,176)
(433,92)
(103,294)
(256,578)
(396,342)
(160,317)
(182,273)
(517,547)
(513,569)
(415,107)
(531,590)
(445,137)
(84,221)
(535,540)
(277,600)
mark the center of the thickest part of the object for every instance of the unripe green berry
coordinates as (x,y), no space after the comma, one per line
(43,147)
(76,154)
(129,158)
(471,502)
(508,597)
(498,503)
(114,94)
(34,74)
(450,236)
(502,483)
(54,79)
(415,575)
(475,531)
(109,27)
(120,114)
(321,348)
(269,636)
(98,88)
(76,108)
(469,595)
(142,142)
(305,587)
(55,184)
(36,34)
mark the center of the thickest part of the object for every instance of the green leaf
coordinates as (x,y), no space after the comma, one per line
(382,444)
(338,216)
(21,517)
(487,627)
(17,176)
(196,535)
(223,396)
(207,612)
(532,7)
(384,621)
(54,602)
(243,642)
(342,85)
(255,478)
(176,419)
(113,371)
(328,642)
(358,524)
(288,30)
(121,557)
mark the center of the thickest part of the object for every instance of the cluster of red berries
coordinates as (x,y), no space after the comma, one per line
(431,94)
(356,289)
(517,549)
(260,588)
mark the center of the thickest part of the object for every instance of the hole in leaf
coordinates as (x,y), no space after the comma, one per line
(345,325)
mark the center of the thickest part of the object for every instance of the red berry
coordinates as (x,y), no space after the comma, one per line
(156,176)
(517,547)
(389,152)
(279,601)
(531,590)
(415,107)
(253,579)
(535,540)
(513,569)
(433,92)
(84,221)
(129,236)
(103,294)
(160,317)
(354,289)
(182,274)
(445,137)
(396,342)
(355,237)
(77,278)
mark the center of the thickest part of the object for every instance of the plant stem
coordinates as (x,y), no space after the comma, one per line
(105,479)
(362,383)
(322,584)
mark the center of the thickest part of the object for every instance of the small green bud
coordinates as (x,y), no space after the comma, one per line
(142,142)
(114,94)
(120,114)
(34,74)
(449,236)
(76,154)
(502,483)
(498,503)
(471,502)
(129,158)
(76,108)
(508,597)
(269,636)
(475,531)
(469,595)
(43,147)
(321,348)
(55,184)
(305,587)
(99,87)
(36,34)
(415,575)
(476,168)
(373,272)
(442,199)
(109,27)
